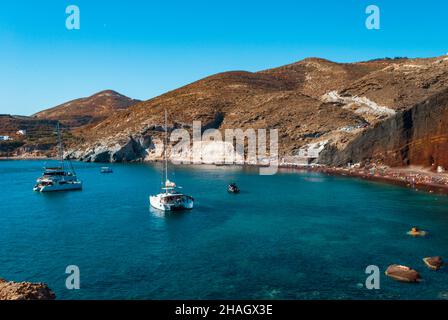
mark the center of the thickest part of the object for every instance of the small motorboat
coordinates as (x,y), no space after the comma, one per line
(233,188)
(106,170)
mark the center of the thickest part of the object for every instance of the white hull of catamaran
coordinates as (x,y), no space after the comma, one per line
(59,187)
(156,202)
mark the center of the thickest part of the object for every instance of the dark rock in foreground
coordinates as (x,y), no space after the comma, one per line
(25,291)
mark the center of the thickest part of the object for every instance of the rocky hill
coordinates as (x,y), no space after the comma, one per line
(88,110)
(392,110)
(38,137)
(28,136)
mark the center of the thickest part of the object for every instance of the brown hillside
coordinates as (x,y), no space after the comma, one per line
(392,110)
(83,111)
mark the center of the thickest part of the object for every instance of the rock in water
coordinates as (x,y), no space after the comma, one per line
(433,263)
(402,273)
(25,291)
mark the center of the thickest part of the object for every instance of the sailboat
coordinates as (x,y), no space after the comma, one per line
(59,178)
(170,199)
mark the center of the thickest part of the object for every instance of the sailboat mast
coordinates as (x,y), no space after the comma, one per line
(61,151)
(166,146)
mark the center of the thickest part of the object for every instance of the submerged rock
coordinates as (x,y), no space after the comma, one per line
(402,273)
(25,291)
(433,263)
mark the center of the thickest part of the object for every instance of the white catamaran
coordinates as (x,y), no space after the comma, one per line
(170,199)
(58,178)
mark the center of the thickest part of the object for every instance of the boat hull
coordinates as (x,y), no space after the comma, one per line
(156,202)
(58,187)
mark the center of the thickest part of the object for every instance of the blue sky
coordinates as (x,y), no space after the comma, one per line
(145,48)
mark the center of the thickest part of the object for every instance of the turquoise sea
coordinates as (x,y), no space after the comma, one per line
(288,236)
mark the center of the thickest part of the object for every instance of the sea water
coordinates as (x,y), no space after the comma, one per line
(288,236)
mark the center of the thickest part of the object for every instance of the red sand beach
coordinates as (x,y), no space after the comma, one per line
(412,177)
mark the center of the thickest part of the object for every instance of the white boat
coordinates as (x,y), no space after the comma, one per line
(57,179)
(170,199)
(60,178)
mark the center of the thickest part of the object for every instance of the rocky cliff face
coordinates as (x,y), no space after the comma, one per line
(25,291)
(392,109)
(416,135)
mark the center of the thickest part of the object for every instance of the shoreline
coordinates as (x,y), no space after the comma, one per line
(407,177)
(26,158)
(402,177)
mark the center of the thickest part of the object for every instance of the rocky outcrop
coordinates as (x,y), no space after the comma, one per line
(132,149)
(25,291)
(416,136)
(361,105)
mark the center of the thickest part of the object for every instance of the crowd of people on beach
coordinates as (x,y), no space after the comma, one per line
(406,176)
(419,178)
(409,177)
